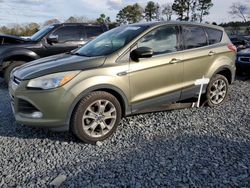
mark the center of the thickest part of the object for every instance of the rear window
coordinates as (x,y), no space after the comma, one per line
(214,35)
(93,31)
(194,37)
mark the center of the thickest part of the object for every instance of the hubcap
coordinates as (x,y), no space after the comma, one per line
(218,91)
(99,118)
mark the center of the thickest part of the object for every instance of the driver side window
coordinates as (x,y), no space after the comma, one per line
(162,40)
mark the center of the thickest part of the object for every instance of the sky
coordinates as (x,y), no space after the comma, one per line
(25,11)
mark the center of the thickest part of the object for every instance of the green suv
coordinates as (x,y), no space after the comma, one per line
(122,72)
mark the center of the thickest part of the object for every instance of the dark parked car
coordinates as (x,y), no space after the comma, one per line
(241,42)
(243,61)
(51,40)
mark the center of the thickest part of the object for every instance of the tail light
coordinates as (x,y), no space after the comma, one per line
(232,48)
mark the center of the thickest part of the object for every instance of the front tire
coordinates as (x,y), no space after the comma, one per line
(8,70)
(217,90)
(96,117)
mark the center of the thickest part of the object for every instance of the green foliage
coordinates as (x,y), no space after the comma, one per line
(182,9)
(130,14)
(192,9)
(167,11)
(203,8)
(103,19)
(152,11)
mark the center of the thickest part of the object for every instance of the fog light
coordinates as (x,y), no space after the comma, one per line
(37,115)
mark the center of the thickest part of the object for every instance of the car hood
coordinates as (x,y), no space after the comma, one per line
(11,39)
(55,64)
(244,52)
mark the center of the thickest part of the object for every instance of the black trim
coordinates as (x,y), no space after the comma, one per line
(192,91)
(156,101)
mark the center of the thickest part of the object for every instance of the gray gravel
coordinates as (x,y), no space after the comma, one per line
(181,148)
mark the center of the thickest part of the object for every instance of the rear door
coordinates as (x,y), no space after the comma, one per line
(157,80)
(198,56)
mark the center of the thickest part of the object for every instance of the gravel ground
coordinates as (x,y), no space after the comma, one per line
(181,148)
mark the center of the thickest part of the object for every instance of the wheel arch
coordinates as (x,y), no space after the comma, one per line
(119,94)
(20,55)
(227,72)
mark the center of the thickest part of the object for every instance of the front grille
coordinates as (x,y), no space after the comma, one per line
(244,59)
(16,81)
(26,107)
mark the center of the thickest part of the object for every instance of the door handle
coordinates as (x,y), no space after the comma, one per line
(174,60)
(211,53)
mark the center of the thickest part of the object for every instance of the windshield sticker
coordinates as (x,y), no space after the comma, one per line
(133,28)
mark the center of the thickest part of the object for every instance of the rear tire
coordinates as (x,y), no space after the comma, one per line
(8,70)
(217,90)
(96,117)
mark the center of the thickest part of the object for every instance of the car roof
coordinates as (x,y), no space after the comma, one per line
(85,24)
(152,24)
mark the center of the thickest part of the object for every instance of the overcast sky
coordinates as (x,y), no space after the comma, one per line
(24,11)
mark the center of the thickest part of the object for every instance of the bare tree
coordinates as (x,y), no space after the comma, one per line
(52,21)
(240,10)
(78,19)
(167,11)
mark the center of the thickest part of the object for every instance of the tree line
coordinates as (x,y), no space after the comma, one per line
(186,10)
(183,10)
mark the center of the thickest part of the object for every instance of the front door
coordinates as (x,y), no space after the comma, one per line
(69,38)
(157,80)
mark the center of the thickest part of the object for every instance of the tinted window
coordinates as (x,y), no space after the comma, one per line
(111,41)
(162,40)
(93,31)
(194,37)
(44,31)
(68,33)
(214,35)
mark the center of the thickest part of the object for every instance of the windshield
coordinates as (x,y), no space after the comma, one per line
(44,31)
(111,41)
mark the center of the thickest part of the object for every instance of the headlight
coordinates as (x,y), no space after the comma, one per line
(52,81)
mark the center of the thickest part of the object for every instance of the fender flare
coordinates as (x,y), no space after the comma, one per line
(17,52)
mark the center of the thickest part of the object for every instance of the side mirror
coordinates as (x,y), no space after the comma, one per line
(52,39)
(141,52)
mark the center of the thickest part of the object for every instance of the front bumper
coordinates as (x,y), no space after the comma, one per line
(53,104)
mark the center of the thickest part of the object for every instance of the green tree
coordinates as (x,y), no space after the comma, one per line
(103,19)
(193,10)
(182,8)
(167,11)
(152,11)
(203,7)
(130,14)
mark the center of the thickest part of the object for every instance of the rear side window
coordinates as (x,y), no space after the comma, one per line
(194,37)
(93,31)
(214,35)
